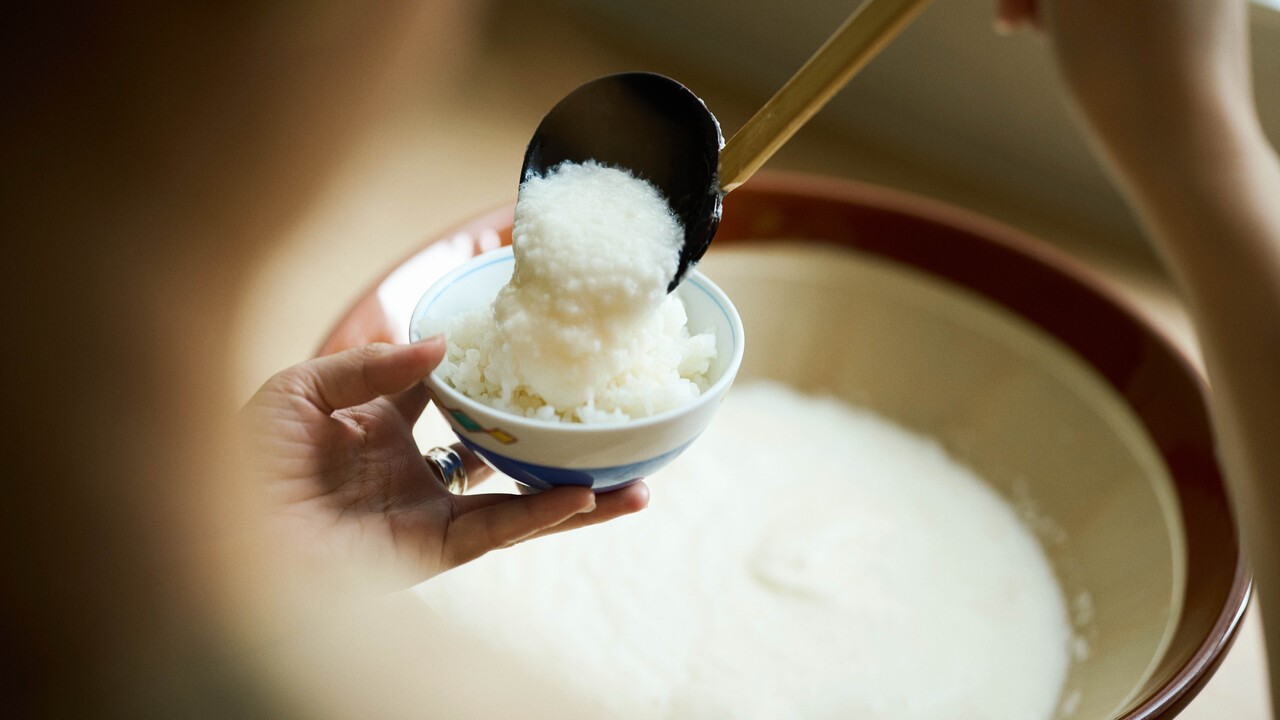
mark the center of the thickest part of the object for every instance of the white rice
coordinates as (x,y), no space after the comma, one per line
(585,331)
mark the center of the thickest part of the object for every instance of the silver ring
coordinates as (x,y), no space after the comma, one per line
(448,463)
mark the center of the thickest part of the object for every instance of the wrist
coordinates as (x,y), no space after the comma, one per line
(1210,210)
(1192,157)
(1190,140)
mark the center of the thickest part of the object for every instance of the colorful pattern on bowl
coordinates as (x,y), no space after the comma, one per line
(602,479)
(459,418)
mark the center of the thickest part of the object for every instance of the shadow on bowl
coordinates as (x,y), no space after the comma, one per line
(1019,361)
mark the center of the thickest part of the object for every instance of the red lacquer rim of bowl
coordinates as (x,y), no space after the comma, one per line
(1048,288)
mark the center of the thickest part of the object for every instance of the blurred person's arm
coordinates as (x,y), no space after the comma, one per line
(152,152)
(1165,88)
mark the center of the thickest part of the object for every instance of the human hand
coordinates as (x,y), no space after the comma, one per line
(1163,84)
(333,448)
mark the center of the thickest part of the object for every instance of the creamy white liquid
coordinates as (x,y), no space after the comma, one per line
(803,559)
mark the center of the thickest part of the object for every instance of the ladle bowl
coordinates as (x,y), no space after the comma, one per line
(653,127)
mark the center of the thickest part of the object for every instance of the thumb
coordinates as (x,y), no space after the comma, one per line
(364,373)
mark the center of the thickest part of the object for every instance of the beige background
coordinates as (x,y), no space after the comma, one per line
(452,148)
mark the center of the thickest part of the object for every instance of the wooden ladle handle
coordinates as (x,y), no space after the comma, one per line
(872,26)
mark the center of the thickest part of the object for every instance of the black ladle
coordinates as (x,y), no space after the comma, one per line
(654,127)
(660,131)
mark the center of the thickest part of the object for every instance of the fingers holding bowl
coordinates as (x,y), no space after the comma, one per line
(482,523)
(492,521)
(609,505)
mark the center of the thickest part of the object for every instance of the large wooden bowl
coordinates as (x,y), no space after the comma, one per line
(1019,361)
